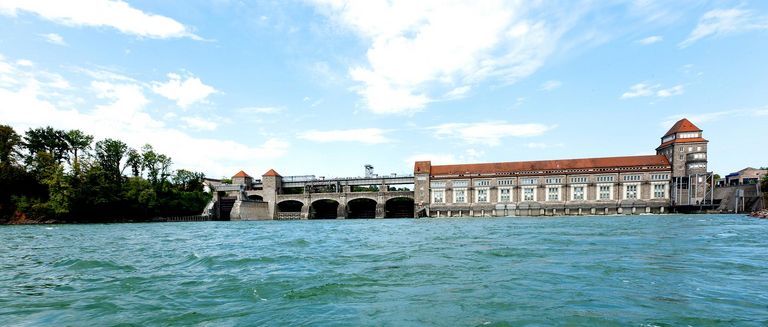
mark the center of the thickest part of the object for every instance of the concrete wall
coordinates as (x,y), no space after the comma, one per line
(250,210)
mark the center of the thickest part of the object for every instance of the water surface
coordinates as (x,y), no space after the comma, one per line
(697,270)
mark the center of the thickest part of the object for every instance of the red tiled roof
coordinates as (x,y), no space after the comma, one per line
(610,162)
(681,126)
(422,167)
(690,140)
(271,172)
(241,174)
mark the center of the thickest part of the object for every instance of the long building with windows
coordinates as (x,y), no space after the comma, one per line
(612,185)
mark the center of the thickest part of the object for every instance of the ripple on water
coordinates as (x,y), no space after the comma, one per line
(650,270)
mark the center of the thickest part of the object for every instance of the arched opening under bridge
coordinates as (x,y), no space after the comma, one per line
(361,208)
(255,197)
(324,209)
(400,207)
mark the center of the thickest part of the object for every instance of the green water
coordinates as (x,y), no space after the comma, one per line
(698,270)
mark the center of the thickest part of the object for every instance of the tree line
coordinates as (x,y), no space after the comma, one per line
(63,175)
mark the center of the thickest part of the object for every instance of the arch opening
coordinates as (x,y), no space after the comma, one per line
(400,207)
(289,209)
(361,208)
(324,209)
(255,197)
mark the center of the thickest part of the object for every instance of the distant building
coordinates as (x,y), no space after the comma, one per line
(747,175)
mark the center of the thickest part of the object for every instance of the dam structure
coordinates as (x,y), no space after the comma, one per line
(673,179)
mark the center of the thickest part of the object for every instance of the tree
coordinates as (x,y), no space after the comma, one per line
(9,142)
(109,153)
(135,162)
(48,140)
(188,181)
(77,142)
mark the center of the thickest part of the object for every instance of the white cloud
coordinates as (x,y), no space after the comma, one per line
(120,111)
(112,13)
(24,62)
(721,22)
(260,110)
(435,158)
(646,90)
(184,90)
(419,51)
(458,92)
(53,38)
(361,135)
(707,117)
(488,133)
(675,90)
(651,40)
(200,124)
(551,85)
(541,145)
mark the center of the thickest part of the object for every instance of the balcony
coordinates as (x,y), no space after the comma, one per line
(691,157)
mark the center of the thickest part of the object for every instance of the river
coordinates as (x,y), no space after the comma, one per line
(679,270)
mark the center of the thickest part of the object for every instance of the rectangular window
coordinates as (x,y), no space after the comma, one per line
(505,182)
(553,180)
(528,181)
(505,195)
(631,178)
(660,177)
(603,179)
(459,196)
(553,194)
(528,194)
(482,195)
(438,196)
(482,182)
(605,192)
(437,184)
(659,191)
(578,193)
(460,184)
(630,191)
(580,179)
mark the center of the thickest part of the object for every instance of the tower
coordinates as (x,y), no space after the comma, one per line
(686,149)
(272,184)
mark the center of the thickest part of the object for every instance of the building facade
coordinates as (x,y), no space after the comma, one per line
(612,185)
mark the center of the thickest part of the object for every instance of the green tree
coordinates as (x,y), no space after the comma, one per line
(49,140)
(188,181)
(9,141)
(109,154)
(135,162)
(77,142)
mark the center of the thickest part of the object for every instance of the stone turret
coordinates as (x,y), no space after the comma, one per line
(421,174)
(272,185)
(242,178)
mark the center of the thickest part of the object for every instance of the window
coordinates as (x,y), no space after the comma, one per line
(581,179)
(553,180)
(659,191)
(697,165)
(505,195)
(459,196)
(690,149)
(437,185)
(482,195)
(553,194)
(482,182)
(631,178)
(659,177)
(438,196)
(529,194)
(688,135)
(528,181)
(698,148)
(630,191)
(578,193)
(503,182)
(460,183)
(699,156)
(605,178)
(605,192)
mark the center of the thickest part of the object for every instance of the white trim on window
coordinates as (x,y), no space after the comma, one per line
(583,192)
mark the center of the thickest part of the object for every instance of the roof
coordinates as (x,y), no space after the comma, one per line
(681,126)
(241,174)
(690,140)
(609,162)
(422,167)
(271,172)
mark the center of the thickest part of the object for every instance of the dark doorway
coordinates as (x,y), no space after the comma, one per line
(324,209)
(289,206)
(255,197)
(361,208)
(399,208)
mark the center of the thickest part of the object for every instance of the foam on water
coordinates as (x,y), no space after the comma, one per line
(617,270)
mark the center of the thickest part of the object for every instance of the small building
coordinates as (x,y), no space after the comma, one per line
(745,176)
(242,178)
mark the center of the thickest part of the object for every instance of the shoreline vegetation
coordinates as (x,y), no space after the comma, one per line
(57,176)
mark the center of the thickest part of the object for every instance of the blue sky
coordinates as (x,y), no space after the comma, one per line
(323,87)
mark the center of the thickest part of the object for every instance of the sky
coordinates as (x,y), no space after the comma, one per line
(323,87)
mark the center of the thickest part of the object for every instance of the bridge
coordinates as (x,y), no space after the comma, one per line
(309,197)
